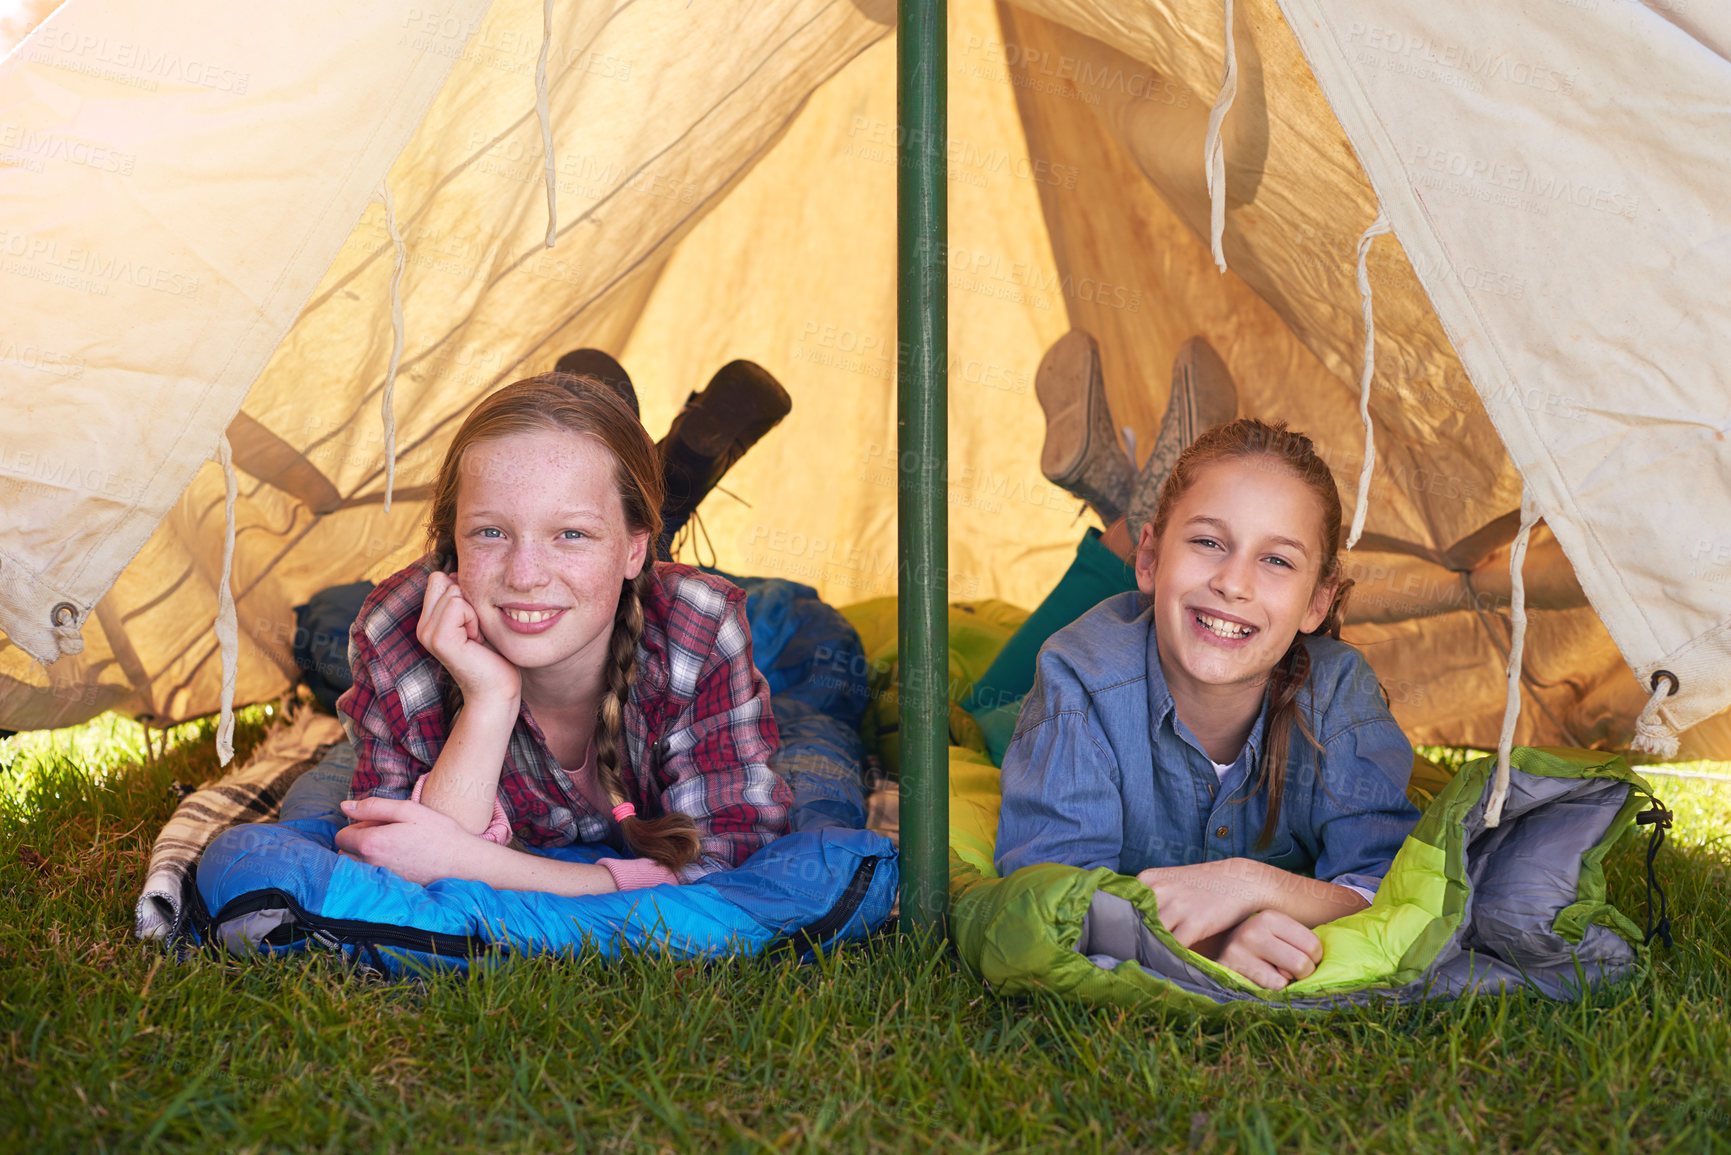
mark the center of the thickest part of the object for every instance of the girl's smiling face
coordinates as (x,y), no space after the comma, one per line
(543,547)
(1234,576)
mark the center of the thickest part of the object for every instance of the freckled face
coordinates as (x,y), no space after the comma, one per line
(543,547)
(1234,579)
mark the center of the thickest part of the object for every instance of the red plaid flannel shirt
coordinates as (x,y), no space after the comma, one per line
(698,728)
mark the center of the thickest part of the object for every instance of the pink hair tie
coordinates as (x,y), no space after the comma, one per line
(623,811)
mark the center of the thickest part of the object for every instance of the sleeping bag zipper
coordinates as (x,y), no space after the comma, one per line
(348,932)
(810,938)
(354,933)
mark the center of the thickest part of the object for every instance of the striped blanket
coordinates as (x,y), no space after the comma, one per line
(250,793)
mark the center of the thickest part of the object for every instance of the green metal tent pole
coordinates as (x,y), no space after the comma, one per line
(922,396)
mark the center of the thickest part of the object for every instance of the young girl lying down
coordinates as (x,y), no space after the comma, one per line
(1210,734)
(539,678)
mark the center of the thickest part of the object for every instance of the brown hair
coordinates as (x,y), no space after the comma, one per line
(576,403)
(1237,440)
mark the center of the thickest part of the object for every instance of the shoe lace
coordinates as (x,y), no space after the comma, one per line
(719,488)
(688,536)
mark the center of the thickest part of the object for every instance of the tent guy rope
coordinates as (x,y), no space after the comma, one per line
(227,624)
(1214,153)
(1361,504)
(545,115)
(387,407)
(1517,643)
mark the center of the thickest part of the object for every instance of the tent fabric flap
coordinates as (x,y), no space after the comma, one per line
(261,200)
(1117,92)
(162,232)
(1572,241)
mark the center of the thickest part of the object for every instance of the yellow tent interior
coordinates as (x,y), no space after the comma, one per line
(726,188)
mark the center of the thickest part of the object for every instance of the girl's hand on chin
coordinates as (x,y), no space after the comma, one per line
(415,841)
(450,628)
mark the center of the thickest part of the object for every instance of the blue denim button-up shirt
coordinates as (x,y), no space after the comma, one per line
(1102,772)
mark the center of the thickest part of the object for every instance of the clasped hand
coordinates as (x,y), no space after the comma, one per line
(417,842)
(1219,909)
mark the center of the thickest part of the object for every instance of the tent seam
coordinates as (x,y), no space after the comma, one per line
(586,215)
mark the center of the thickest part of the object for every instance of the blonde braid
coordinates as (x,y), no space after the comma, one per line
(672,838)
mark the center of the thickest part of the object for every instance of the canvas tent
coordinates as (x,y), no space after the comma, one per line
(196,241)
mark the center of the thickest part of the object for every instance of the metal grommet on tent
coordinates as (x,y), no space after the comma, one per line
(1652,734)
(64,614)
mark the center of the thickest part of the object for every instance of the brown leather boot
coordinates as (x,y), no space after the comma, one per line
(740,404)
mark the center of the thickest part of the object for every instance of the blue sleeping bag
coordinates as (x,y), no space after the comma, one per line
(816,668)
(279,888)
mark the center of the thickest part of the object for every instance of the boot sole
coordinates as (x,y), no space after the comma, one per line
(1070,389)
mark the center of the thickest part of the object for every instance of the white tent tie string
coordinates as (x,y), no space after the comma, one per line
(387,402)
(1361,505)
(1214,153)
(546,116)
(1517,643)
(227,623)
(1652,734)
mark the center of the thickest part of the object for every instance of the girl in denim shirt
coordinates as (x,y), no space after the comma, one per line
(1210,733)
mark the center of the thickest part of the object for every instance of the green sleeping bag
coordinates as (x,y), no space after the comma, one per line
(1463,907)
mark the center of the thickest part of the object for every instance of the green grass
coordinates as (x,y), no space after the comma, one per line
(106,1044)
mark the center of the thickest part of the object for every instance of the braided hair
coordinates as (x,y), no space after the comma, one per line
(1249,437)
(672,838)
(578,403)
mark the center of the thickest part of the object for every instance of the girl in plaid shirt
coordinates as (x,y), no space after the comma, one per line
(538,679)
